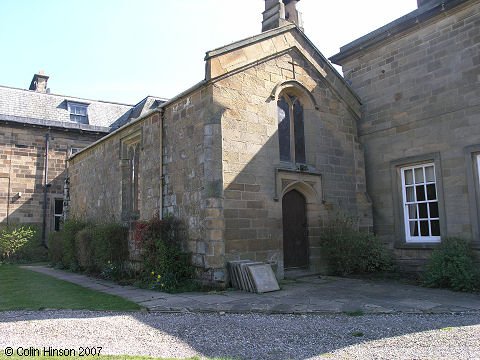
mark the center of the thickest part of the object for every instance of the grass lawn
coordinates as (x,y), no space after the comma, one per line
(22,289)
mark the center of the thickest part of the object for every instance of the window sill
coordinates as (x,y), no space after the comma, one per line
(417,245)
(297,168)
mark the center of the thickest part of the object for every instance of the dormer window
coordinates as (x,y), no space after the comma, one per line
(78,112)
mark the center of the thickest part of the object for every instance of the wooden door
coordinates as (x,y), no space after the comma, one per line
(295,243)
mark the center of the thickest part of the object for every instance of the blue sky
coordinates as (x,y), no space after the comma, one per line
(123,50)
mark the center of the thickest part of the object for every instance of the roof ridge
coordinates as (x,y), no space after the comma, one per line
(248,40)
(65,96)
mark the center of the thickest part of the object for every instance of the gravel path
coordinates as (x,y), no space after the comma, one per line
(404,336)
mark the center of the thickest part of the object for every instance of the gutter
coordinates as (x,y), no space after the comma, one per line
(160,109)
(61,125)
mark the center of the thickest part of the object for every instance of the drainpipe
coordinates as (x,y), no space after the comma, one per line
(45,191)
(162,121)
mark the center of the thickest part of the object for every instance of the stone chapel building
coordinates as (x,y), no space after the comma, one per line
(252,159)
(274,142)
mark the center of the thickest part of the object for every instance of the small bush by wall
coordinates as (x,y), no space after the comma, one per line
(452,265)
(348,250)
(68,233)
(88,247)
(110,244)
(84,254)
(102,249)
(55,249)
(21,243)
(165,266)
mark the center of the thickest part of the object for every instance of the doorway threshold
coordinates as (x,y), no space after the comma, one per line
(297,273)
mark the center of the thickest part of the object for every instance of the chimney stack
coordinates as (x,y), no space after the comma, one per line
(39,82)
(281,12)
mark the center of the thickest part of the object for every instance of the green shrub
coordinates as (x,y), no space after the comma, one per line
(88,247)
(110,244)
(55,249)
(452,265)
(34,250)
(84,248)
(348,250)
(165,266)
(123,273)
(68,233)
(15,238)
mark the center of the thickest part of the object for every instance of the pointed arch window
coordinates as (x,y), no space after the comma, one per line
(131,148)
(291,134)
(133,157)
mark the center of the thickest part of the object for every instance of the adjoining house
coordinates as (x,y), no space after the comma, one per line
(39,131)
(419,81)
(274,143)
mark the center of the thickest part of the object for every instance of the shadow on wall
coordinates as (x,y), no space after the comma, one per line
(277,196)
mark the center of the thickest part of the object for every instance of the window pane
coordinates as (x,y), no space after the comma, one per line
(408,177)
(413,228)
(431,192)
(57,223)
(430,174)
(420,191)
(410,194)
(284,129)
(424,231)
(435,224)
(419,175)
(433,210)
(298,127)
(412,212)
(58,206)
(422,210)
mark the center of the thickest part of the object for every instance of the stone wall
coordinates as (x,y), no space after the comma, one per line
(96,174)
(193,176)
(22,166)
(183,156)
(421,94)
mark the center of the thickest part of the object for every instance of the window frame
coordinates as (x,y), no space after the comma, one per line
(398,218)
(131,147)
(291,100)
(57,215)
(72,105)
(472,161)
(406,204)
(73,150)
(478,169)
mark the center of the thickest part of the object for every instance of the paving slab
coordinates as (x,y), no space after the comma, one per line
(307,295)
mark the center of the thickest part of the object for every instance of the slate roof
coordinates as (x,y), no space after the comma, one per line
(402,24)
(36,108)
(143,107)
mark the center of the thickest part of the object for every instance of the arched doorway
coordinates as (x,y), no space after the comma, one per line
(295,241)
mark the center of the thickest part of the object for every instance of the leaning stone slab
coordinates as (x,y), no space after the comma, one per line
(263,278)
(249,285)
